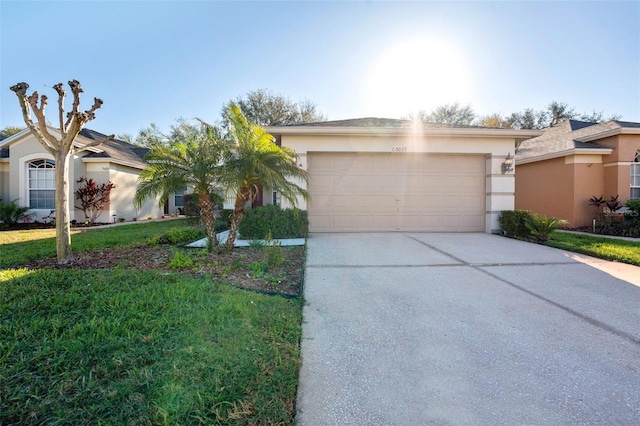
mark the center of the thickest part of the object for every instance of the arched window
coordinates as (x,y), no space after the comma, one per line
(42,188)
(635,177)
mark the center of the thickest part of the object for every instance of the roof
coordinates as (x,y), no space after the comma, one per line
(377,122)
(572,136)
(115,149)
(393,126)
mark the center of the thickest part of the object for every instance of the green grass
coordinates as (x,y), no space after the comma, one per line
(129,347)
(141,347)
(19,247)
(603,248)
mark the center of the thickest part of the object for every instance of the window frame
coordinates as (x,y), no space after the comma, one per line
(41,178)
(635,177)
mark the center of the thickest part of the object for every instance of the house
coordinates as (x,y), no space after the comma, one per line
(557,172)
(376,174)
(26,174)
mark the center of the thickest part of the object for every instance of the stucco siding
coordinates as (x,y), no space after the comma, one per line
(498,188)
(546,187)
(126,180)
(588,178)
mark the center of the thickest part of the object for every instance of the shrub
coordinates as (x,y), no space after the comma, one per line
(180,261)
(179,236)
(274,221)
(513,223)
(630,227)
(634,207)
(540,226)
(93,197)
(191,206)
(13,213)
(272,251)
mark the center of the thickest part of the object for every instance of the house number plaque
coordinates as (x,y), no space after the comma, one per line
(398,149)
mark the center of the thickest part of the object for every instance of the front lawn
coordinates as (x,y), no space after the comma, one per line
(601,247)
(126,345)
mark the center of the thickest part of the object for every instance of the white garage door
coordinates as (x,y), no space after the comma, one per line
(396,192)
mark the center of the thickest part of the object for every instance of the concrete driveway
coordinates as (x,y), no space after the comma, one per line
(466,329)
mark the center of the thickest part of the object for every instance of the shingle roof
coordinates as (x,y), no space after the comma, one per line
(563,138)
(377,122)
(116,149)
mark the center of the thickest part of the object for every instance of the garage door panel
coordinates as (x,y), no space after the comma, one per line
(396,192)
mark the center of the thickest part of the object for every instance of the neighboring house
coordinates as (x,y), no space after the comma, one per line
(27,169)
(375,174)
(557,172)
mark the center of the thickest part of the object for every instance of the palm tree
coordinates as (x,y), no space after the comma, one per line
(195,162)
(255,161)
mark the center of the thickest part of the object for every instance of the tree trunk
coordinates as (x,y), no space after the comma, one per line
(238,212)
(63,231)
(208,217)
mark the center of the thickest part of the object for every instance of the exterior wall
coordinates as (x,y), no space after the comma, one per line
(617,165)
(499,187)
(588,181)
(545,187)
(13,182)
(560,187)
(126,181)
(4,181)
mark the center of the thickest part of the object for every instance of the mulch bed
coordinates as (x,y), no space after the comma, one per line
(228,267)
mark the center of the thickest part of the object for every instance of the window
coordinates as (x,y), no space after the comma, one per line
(179,197)
(635,177)
(42,188)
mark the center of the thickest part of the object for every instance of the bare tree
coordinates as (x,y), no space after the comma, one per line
(61,148)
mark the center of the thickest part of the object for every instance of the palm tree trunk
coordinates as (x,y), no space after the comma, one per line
(207,216)
(238,212)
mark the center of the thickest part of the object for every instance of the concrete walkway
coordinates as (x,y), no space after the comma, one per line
(466,329)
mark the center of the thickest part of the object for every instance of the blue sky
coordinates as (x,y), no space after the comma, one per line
(155,61)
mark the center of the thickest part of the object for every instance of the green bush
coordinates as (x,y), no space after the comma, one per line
(192,208)
(180,260)
(630,227)
(179,235)
(634,207)
(12,213)
(513,223)
(540,226)
(274,221)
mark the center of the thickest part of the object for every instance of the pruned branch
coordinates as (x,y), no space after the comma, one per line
(25,104)
(61,95)
(76,89)
(91,144)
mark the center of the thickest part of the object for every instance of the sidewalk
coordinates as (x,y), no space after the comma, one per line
(614,237)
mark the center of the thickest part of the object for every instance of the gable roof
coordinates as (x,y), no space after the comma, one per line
(392,126)
(116,151)
(570,137)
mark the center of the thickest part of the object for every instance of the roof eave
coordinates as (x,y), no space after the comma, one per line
(609,133)
(112,160)
(565,153)
(402,131)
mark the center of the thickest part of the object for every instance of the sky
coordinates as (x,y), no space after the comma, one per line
(156,61)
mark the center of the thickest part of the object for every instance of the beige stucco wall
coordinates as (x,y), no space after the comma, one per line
(13,181)
(499,188)
(4,180)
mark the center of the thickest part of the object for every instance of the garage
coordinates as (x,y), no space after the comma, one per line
(356,192)
(389,175)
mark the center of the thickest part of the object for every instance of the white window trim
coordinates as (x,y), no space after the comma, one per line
(635,166)
(23,184)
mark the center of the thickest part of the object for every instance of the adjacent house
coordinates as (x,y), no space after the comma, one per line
(27,169)
(376,174)
(557,172)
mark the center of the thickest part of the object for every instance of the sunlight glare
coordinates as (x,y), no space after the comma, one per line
(419,74)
